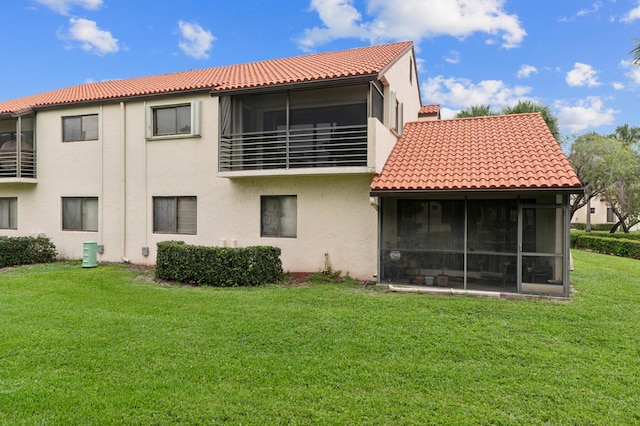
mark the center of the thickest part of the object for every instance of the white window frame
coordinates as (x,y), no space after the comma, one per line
(8,213)
(83,137)
(194,122)
(180,207)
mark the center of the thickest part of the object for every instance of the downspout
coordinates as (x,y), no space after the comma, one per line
(101,226)
(123,136)
(19,147)
(146,183)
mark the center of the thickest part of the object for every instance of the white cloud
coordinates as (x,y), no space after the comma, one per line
(525,71)
(413,20)
(582,75)
(462,93)
(596,6)
(632,15)
(633,72)
(589,112)
(91,38)
(453,57)
(618,86)
(196,41)
(63,6)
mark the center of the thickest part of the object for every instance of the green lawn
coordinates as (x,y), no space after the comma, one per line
(107,345)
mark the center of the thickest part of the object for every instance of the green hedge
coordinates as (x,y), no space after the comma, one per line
(26,250)
(635,235)
(218,266)
(594,226)
(615,244)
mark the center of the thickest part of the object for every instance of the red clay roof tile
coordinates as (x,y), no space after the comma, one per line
(509,151)
(322,66)
(426,110)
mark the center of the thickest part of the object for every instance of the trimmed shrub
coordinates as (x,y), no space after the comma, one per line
(594,226)
(26,250)
(218,266)
(615,244)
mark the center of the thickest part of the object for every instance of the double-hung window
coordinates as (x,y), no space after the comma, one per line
(80,213)
(8,213)
(179,120)
(279,216)
(80,128)
(175,215)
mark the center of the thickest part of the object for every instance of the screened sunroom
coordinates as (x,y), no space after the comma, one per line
(298,129)
(476,204)
(514,244)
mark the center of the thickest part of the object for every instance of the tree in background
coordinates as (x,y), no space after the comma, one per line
(629,135)
(588,154)
(476,111)
(520,108)
(528,106)
(623,189)
(607,167)
(636,53)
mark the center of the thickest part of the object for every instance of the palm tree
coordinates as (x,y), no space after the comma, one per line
(626,134)
(520,108)
(635,52)
(529,106)
(476,111)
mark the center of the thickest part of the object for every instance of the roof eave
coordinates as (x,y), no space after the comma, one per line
(117,99)
(307,84)
(418,192)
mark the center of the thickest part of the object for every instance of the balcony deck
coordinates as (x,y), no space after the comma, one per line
(343,147)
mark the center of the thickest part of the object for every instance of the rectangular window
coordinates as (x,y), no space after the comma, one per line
(80,213)
(610,216)
(8,213)
(175,215)
(173,120)
(80,128)
(279,216)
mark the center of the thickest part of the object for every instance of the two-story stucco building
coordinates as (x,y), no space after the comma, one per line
(280,152)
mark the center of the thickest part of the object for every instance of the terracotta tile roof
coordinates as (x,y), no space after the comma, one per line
(322,66)
(426,110)
(483,153)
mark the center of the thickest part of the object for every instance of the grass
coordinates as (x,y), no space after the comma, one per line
(107,345)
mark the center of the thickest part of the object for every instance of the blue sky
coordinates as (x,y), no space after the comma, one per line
(571,55)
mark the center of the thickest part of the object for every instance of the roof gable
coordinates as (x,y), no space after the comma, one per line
(514,151)
(363,61)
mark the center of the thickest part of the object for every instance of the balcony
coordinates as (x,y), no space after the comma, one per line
(308,147)
(17,165)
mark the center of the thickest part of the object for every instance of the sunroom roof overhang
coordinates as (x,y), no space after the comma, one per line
(473,191)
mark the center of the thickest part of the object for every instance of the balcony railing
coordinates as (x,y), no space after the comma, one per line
(344,146)
(14,164)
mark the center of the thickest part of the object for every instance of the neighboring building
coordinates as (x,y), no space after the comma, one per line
(600,213)
(283,153)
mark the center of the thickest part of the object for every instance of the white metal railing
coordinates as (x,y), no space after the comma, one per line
(14,164)
(340,146)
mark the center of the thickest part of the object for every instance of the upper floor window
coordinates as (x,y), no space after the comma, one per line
(80,128)
(175,215)
(80,213)
(9,213)
(173,120)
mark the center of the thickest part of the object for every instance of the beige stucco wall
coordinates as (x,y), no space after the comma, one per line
(598,216)
(125,171)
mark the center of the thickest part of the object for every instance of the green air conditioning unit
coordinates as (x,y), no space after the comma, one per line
(89,254)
